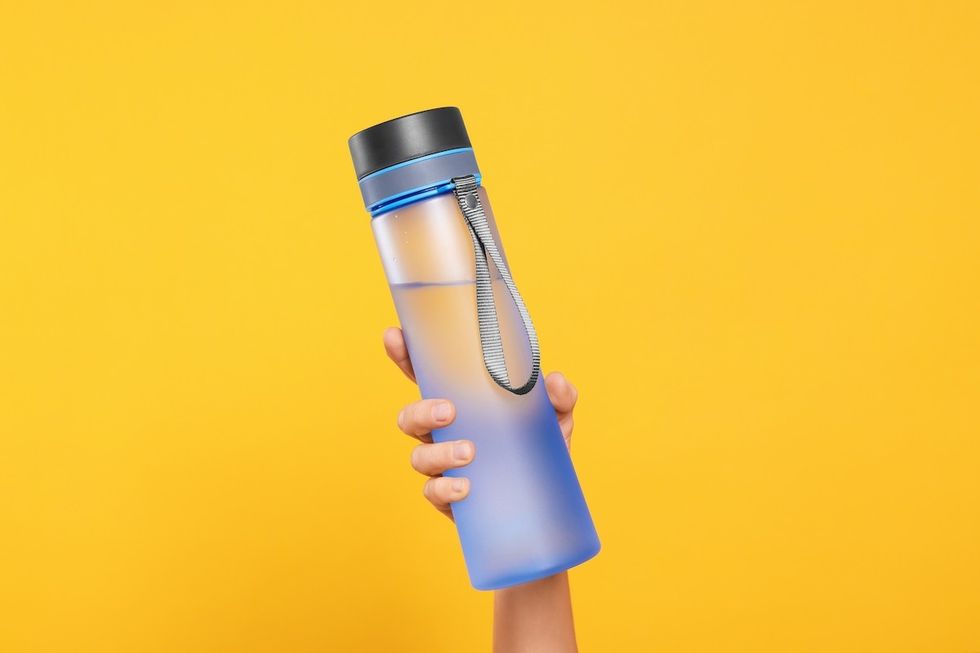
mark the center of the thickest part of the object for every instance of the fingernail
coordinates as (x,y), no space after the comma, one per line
(441,411)
(459,484)
(462,450)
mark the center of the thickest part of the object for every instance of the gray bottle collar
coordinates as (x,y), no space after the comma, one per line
(426,175)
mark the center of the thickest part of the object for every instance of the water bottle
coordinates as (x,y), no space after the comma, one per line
(471,341)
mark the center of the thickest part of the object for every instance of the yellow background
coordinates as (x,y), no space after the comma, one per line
(747,231)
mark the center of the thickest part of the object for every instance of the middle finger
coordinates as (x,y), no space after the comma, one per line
(432,459)
(419,418)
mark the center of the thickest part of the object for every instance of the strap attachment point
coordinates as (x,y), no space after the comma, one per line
(484,246)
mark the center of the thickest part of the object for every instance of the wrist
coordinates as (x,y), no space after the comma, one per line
(535,616)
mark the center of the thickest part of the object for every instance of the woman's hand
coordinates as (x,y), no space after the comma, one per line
(430,458)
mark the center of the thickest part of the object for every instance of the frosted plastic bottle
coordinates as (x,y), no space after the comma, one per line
(525,517)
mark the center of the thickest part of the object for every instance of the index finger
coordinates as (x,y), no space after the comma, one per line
(397,351)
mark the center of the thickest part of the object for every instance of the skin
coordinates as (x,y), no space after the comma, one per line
(533,617)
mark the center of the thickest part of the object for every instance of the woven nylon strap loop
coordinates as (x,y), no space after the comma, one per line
(484,246)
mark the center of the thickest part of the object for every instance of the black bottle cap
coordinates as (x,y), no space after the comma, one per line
(406,138)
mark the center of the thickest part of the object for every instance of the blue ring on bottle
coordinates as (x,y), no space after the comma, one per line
(416,179)
(412,196)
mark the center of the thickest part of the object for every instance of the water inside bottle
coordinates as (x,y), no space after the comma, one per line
(443,336)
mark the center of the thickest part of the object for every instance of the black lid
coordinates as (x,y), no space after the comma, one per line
(405,138)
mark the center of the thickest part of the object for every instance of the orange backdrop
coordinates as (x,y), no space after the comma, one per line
(747,231)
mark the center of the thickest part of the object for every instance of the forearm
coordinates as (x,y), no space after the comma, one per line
(534,618)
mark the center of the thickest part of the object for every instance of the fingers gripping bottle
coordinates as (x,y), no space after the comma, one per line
(471,341)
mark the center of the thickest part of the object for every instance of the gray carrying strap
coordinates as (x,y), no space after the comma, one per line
(483,246)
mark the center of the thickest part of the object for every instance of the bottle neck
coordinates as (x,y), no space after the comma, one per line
(416,180)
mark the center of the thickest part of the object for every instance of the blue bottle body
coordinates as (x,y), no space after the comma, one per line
(525,517)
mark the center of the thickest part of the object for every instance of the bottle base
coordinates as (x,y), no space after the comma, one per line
(511,580)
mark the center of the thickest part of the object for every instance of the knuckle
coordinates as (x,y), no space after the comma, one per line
(410,412)
(437,490)
(420,410)
(415,459)
(409,419)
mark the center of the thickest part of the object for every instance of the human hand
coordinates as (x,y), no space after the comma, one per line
(419,418)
